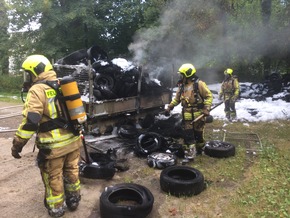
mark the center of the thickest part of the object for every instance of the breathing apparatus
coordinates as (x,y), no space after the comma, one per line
(72,99)
(67,92)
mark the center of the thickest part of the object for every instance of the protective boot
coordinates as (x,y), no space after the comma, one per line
(56,212)
(233,115)
(228,115)
(199,148)
(190,153)
(72,201)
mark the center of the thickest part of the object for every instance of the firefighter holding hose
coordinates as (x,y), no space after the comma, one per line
(196,99)
(59,147)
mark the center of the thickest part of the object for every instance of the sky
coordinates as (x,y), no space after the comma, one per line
(268,110)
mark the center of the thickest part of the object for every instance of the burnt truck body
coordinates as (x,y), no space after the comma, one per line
(107,110)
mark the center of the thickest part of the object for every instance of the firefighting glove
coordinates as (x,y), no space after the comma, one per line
(167,112)
(17,145)
(205,111)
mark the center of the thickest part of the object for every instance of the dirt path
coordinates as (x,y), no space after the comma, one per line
(21,187)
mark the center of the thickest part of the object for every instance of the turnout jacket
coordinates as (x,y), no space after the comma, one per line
(40,106)
(230,88)
(193,96)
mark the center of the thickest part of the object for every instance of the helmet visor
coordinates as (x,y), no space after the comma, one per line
(27,76)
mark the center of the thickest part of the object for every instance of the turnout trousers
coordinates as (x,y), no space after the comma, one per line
(60,177)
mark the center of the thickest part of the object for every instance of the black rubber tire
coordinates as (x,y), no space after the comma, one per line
(103,80)
(127,131)
(219,149)
(97,171)
(74,58)
(148,143)
(111,201)
(161,160)
(96,53)
(182,181)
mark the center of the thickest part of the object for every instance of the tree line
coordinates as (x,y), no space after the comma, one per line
(250,36)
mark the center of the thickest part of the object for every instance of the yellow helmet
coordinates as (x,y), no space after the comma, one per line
(187,70)
(36,64)
(228,71)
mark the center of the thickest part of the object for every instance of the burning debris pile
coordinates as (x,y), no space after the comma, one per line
(116,78)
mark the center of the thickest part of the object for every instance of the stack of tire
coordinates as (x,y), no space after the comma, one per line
(110,81)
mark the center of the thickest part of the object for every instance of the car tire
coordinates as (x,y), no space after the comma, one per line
(182,181)
(161,160)
(127,131)
(103,80)
(219,149)
(112,197)
(147,143)
(97,171)
(74,58)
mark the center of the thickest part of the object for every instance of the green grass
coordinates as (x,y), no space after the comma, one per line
(256,186)
(10,88)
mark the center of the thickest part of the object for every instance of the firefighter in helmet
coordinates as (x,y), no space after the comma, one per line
(229,93)
(195,99)
(59,148)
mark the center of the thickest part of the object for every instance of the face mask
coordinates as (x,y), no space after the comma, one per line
(27,81)
(227,76)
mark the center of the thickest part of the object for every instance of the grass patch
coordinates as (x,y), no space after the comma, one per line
(10,97)
(249,186)
(10,88)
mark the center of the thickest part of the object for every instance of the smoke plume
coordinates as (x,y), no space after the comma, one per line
(201,33)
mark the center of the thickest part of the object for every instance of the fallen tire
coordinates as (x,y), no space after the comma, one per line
(148,143)
(161,160)
(181,181)
(102,167)
(219,149)
(127,131)
(97,171)
(126,200)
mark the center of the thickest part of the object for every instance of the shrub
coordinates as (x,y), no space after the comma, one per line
(10,84)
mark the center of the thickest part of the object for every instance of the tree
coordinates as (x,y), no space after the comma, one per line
(67,26)
(4,37)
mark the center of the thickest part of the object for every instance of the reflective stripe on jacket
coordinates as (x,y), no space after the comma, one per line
(229,88)
(186,96)
(41,100)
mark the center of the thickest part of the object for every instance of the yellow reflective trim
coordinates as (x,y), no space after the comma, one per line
(24,133)
(51,145)
(187,116)
(73,187)
(50,199)
(50,93)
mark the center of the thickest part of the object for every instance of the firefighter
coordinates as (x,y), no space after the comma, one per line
(195,99)
(59,148)
(229,93)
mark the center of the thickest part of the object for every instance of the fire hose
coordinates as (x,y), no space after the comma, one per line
(202,115)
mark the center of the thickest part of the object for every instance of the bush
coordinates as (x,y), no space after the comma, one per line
(10,84)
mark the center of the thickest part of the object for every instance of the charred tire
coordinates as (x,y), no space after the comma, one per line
(219,149)
(74,58)
(128,131)
(112,197)
(97,171)
(181,181)
(148,143)
(161,160)
(176,149)
(103,80)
